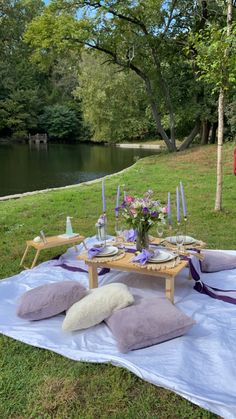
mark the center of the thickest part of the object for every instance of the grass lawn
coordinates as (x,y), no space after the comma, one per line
(35,383)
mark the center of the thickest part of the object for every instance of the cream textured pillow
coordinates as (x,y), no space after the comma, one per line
(97,306)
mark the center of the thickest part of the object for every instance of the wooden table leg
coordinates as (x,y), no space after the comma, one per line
(93,276)
(24,255)
(170,288)
(35,259)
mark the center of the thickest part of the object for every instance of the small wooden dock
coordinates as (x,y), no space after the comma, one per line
(38,139)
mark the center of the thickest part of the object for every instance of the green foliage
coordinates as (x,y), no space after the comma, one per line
(148,38)
(114,102)
(59,121)
(25,88)
(215,58)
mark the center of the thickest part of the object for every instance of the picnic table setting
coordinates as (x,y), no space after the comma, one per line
(150,298)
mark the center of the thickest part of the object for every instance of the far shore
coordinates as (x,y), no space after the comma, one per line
(140,145)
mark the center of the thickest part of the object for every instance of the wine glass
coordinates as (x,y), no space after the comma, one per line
(160,230)
(119,229)
(179,241)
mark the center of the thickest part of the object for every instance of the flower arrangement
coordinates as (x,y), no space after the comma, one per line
(142,213)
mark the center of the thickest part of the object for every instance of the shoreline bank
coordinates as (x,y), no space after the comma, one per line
(137,145)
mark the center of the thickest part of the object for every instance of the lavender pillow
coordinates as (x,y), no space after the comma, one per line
(215,261)
(49,300)
(147,322)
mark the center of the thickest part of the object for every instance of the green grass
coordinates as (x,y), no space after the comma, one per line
(35,383)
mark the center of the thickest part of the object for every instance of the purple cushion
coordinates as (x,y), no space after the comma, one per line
(147,322)
(49,300)
(215,261)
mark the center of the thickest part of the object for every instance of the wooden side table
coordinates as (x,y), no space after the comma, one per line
(53,241)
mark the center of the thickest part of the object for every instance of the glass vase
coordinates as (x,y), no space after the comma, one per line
(142,239)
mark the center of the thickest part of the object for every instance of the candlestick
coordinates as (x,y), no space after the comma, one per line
(177,205)
(183,200)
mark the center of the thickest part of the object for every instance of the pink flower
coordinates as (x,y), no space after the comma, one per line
(129,199)
(164,210)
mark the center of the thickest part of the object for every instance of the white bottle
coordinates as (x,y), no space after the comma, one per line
(69,230)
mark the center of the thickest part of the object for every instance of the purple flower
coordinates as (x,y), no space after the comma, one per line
(154,214)
(145,210)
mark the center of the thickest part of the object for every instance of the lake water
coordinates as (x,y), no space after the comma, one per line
(24,168)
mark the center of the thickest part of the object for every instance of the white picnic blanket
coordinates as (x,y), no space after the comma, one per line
(200,366)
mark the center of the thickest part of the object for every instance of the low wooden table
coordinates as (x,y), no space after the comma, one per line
(53,241)
(124,264)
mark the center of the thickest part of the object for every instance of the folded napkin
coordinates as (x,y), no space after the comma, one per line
(93,251)
(142,257)
(130,235)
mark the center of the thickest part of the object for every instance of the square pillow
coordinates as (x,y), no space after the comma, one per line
(147,322)
(49,300)
(97,306)
(215,261)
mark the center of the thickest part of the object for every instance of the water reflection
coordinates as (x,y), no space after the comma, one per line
(24,168)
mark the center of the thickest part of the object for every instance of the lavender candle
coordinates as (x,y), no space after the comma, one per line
(177,205)
(117,201)
(169,209)
(183,200)
(103,197)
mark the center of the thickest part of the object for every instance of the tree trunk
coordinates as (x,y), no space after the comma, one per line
(205,131)
(191,136)
(170,145)
(219,181)
(213,133)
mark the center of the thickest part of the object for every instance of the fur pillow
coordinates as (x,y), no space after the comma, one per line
(215,261)
(97,306)
(49,300)
(147,322)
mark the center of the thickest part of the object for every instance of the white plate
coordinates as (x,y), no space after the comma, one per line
(162,256)
(108,251)
(187,240)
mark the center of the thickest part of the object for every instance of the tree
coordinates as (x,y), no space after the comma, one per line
(19,99)
(146,38)
(216,49)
